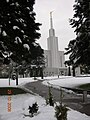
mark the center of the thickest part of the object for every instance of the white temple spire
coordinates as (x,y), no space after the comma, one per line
(51,21)
(51,30)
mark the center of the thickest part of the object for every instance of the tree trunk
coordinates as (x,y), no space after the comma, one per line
(69,71)
(73,68)
(41,73)
(23,74)
(16,79)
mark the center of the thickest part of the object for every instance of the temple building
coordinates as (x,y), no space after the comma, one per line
(54,58)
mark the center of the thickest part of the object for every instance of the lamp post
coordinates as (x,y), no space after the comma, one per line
(16,76)
(17,70)
(41,71)
(10,70)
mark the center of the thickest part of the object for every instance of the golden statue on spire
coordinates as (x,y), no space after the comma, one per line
(51,14)
(51,21)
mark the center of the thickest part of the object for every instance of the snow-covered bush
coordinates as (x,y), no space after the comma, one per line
(30,107)
(61,112)
(33,109)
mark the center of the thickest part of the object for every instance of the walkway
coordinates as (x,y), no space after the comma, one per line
(72,100)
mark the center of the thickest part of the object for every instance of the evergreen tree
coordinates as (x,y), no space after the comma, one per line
(79,49)
(18,32)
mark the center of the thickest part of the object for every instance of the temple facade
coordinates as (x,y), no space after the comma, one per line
(54,58)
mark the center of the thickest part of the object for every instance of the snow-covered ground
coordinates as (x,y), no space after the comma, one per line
(68,81)
(5,82)
(20,102)
(63,81)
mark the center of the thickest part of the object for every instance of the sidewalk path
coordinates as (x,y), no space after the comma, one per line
(71,100)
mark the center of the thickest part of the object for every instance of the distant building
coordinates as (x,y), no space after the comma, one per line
(53,57)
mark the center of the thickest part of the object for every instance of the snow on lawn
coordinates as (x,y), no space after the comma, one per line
(5,82)
(64,81)
(68,81)
(20,102)
(54,77)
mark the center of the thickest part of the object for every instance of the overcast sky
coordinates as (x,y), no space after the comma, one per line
(62,11)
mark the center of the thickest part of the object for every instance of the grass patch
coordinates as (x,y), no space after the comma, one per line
(11,91)
(85,86)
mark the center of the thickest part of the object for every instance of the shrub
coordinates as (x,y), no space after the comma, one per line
(33,109)
(61,112)
(50,98)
